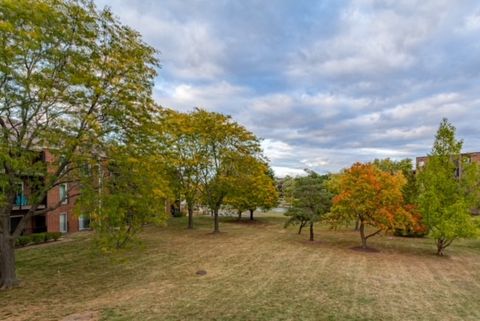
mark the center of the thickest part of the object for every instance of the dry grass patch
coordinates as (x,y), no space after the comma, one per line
(253,272)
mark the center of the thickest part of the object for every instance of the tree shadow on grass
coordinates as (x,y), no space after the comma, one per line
(365,249)
(259,222)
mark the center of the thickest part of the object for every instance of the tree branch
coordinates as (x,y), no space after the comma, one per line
(373,234)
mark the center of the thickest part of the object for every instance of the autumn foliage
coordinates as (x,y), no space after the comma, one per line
(371,196)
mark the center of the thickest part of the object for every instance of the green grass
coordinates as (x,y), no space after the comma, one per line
(254,272)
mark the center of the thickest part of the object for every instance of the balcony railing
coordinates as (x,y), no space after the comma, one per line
(21,200)
(21,203)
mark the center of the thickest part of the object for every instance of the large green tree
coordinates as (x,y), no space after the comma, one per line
(71,78)
(449,187)
(311,202)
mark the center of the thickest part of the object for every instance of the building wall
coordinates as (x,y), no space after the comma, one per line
(53,198)
(53,217)
(475,157)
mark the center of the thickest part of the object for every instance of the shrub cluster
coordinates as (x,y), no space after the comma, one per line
(409,232)
(37,238)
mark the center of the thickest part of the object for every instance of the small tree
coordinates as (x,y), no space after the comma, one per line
(449,188)
(252,187)
(296,216)
(371,196)
(311,201)
(128,191)
(409,191)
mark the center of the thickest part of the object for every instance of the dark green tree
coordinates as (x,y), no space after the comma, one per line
(311,201)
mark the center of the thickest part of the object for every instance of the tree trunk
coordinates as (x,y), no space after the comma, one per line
(362,235)
(311,231)
(216,228)
(239,214)
(8,276)
(441,247)
(357,224)
(190,217)
(302,225)
(251,214)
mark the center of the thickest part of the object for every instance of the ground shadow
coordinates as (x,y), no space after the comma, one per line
(365,249)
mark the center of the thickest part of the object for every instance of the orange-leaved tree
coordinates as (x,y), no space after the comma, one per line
(371,196)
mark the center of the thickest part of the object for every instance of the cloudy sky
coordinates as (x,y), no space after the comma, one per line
(324,83)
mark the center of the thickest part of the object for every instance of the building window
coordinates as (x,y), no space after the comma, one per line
(421,163)
(62,160)
(83,222)
(63,223)
(63,193)
(20,199)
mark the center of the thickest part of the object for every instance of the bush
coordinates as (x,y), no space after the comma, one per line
(55,235)
(23,240)
(38,238)
(48,236)
(409,232)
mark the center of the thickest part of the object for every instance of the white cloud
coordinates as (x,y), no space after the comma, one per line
(281,171)
(277,150)
(325,86)
(188,49)
(213,96)
(371,40)
(471,22)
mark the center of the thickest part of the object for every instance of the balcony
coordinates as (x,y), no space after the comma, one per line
(21,203)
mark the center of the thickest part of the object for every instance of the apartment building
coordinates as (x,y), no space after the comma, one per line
(61,219)
(470,157)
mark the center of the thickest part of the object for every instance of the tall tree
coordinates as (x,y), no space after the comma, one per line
(71,78)
(311,201)
(371,196)
(186,155)
(448,185)
(223,143)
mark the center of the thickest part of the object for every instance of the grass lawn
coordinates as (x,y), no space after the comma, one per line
(254,272)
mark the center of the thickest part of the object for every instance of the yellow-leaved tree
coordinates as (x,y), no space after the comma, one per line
(253,186)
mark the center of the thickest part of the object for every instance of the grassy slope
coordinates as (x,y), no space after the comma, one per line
(255,272)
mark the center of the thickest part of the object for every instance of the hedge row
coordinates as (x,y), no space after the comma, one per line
(38,238)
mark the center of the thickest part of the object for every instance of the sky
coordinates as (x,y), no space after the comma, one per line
(323,83)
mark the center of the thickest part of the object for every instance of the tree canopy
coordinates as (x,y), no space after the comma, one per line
(253,186)
(223,143)
(72,78)
(311,201)
(371,196)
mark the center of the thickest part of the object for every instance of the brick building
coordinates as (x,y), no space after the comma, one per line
(61,219)
(471,157)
